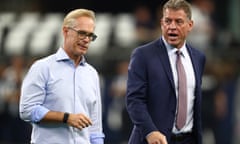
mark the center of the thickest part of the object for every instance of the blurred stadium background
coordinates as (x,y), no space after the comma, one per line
(30,29)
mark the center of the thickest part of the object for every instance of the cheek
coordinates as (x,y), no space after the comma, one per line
(72,40)
(163,29)
(187,29)
(183,30)
(68,39)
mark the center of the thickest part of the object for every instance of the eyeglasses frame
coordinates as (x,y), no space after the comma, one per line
(84,34)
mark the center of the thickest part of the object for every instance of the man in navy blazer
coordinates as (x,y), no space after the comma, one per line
(152,97)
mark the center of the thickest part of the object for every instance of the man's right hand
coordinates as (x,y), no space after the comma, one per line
(156,137)
(79,121)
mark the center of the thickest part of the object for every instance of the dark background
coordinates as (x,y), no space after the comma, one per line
(220,14)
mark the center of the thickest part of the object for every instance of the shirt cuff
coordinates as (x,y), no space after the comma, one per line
(97,138)
(38,113)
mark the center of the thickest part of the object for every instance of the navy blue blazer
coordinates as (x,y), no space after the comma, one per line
(151,98)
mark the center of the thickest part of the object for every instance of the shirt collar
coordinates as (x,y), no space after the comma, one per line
(172,50)
(62,56)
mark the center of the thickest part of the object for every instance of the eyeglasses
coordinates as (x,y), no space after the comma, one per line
(83,34)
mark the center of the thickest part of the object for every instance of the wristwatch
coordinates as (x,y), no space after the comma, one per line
(65,117)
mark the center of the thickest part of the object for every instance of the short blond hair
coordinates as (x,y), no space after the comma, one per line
(69,20)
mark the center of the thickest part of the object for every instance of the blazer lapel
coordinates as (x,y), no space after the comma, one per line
(194,60)
(164,59)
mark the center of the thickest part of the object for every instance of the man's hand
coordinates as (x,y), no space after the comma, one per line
(79,121)
(156,137)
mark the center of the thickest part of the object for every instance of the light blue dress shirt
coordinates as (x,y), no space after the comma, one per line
(54,83)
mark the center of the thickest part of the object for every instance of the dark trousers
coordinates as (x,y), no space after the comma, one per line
(187,138)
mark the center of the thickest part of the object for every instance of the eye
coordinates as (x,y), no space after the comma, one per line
(179,22)
(83,33)
(167,21)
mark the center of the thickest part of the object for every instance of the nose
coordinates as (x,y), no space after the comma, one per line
(172,25)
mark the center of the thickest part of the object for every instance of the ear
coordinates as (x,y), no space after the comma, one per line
(161,22)
(190,24)
(64,31)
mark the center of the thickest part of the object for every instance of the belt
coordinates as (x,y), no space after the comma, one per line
(181,136)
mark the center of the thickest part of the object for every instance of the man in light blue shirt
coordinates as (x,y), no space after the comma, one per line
(61,94)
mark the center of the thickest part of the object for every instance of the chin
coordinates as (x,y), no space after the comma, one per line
(82,52)
(173,44)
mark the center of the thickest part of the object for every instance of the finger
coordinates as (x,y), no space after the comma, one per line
(80,127)
(86,121)
(83,123)
(164,141)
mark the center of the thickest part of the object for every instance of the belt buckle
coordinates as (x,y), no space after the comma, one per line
(179,137)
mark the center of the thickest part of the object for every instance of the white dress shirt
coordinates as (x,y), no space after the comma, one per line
(191,83)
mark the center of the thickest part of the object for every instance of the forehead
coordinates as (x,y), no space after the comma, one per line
(85,21)
(174,14)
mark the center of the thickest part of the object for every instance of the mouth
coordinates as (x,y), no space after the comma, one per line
(173,35)
(81,46)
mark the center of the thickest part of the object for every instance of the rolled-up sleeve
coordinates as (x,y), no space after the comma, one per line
(97,138)
(33,94)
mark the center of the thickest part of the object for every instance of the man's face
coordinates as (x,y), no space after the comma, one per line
(76,41)
(175,27)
